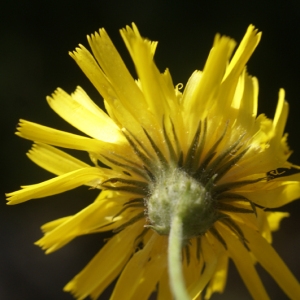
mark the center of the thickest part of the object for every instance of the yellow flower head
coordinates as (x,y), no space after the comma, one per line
(185,174)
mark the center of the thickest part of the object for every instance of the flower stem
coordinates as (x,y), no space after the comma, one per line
(175,260)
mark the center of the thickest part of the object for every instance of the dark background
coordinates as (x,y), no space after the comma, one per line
(35,37)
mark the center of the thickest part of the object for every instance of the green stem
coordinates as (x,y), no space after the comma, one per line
(175,260)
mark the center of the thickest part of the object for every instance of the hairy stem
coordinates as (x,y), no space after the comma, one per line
(177,283)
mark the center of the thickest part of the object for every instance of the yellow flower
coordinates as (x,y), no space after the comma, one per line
(185,176)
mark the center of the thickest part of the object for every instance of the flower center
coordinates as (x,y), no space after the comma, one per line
(176,194)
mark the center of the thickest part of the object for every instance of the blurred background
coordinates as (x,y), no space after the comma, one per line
(35,37)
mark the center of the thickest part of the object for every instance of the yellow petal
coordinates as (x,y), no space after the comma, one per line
(152,273)
(124,115)
(274,219)
(143,271)
(54,160)
(80,111)
(96,217)
(115,104)
(205,93)
(218,282)
(114,68)
(281,149)
(91,69)
(115,108)
(268,142)
(153,88)
(190,89)
(234,70)
(244,264)
(263,224)
(243,52)
(245,102)
(60,184)
(272,263)
(127,91)
(105,265)
(47,135)
(275,193)
(53,224)
(281,113)
(211,260)
(157,88)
